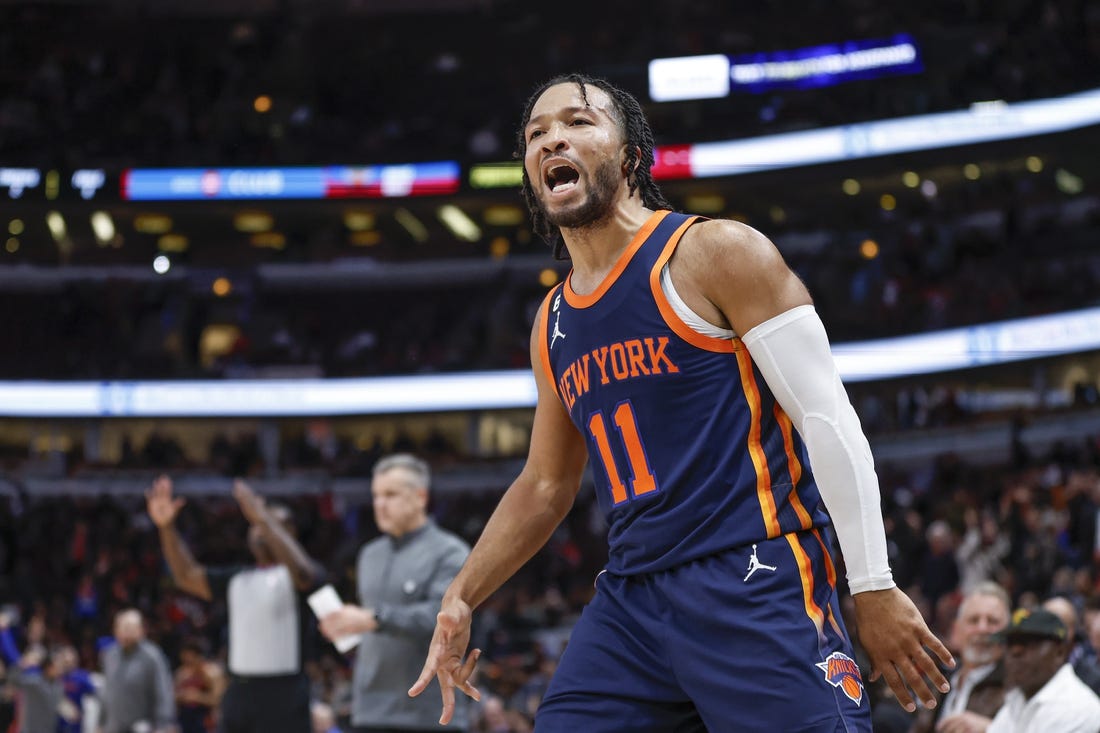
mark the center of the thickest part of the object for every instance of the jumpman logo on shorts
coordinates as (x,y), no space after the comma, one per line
(557,331)
(755,564)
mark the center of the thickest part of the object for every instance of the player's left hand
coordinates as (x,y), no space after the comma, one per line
(252,504)
(449,643)
(898,642)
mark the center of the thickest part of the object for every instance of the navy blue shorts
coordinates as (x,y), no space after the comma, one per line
(709,646)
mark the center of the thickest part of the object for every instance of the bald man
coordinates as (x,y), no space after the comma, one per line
(1082,656)
(137,692)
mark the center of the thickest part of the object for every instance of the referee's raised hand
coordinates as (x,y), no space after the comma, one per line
(160,503)
(252,504)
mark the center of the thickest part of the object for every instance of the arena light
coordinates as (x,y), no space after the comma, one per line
(358,221)
(268,240)
(18,180)
(103,227)
(460,225)
(411,224)
(152,223)
(172,243)
(689,77)
(502,215)
(705,203)
(496,175)
(52,185)
(161,264)
(55,222)
(88,181)
(250,221)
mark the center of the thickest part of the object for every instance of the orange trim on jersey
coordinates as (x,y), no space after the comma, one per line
(830,569)
(756,450)
(584,301)
(681,329)
(544,351)
(830,573)
(806,573)
(793,465)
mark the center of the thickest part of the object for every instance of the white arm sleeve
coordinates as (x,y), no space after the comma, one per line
(792,352)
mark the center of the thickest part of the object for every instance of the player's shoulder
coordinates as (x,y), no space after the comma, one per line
(717,247)
(726,236)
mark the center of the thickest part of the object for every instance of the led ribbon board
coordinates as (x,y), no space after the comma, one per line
(960,348)
(331,182)
(983,122)
(717,75)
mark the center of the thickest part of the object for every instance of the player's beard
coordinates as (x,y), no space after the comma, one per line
(597,204)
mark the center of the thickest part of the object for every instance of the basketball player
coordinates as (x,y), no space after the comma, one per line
(687,362)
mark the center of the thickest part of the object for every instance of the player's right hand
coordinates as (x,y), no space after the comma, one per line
(444,662)
(162,507)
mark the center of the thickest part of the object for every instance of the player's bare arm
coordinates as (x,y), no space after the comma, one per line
(733,275)
(286,549)
(532,507)
(163,507)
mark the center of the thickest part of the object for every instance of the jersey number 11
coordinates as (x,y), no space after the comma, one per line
(642,480)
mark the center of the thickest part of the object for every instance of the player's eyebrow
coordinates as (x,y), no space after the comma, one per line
(566,110)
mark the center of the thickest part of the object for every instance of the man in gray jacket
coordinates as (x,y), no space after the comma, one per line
(138,694)
(401,576)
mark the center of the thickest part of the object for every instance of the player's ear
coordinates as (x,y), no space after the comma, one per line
(630,166)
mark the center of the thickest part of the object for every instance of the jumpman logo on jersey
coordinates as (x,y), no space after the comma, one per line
(755,564)
(557,331)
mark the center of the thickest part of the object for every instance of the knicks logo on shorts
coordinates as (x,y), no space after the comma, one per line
(840,671)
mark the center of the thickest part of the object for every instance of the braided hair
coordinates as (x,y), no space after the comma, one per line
(636,133)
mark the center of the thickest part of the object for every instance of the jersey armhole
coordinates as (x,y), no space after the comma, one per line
(544,351)
(668,312)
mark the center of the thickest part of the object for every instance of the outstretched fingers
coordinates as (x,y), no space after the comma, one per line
(425,677)
(462,676)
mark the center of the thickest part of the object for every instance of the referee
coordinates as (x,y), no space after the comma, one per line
(269,621)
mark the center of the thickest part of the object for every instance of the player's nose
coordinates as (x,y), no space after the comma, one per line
(554,139)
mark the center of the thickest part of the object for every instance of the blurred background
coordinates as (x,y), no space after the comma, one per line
(210,210)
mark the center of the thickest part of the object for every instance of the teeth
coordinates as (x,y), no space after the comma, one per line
(564,186)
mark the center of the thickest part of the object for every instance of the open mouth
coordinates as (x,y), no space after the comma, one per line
(561,177)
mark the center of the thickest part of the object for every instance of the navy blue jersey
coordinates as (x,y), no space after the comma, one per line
(690,452)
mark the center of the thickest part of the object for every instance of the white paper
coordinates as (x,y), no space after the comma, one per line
(323,602)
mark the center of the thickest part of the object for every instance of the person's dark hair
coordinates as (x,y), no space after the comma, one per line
(194,645)
(637,137)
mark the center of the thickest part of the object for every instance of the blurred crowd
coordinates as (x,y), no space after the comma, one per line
(68,564)
(150,84)
(1008,247)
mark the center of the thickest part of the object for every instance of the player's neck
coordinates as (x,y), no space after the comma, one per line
(595,249)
